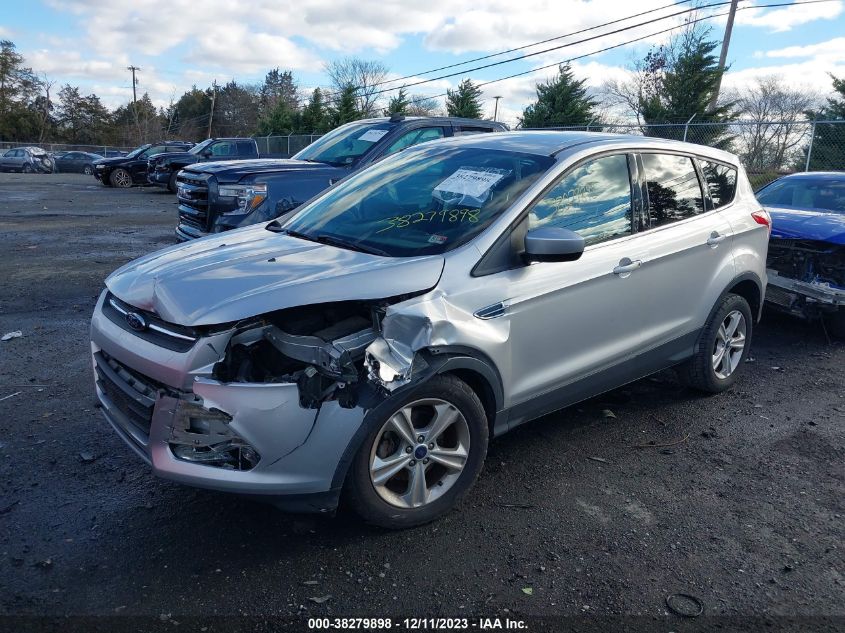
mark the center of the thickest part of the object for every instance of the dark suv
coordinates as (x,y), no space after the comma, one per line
(162,168)
(125,171)
(216,197)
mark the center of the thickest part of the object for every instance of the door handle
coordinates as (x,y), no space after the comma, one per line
(626,266)
(715,239)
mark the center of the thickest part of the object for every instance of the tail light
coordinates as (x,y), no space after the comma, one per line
(762,217)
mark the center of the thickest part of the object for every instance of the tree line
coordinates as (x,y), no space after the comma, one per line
(670,84)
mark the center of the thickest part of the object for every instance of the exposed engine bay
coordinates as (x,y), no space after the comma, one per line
(806,277)
(321,348)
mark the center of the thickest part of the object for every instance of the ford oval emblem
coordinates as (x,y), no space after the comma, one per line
(136,321)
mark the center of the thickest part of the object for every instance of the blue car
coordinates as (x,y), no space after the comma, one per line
(806,261)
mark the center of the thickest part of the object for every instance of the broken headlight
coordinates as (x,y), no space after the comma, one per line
(248,197)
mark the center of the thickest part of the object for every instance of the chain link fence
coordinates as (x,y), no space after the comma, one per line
(285,146)
(768,149)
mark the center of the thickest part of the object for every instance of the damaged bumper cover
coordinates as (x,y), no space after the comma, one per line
(801,297)
(248,438)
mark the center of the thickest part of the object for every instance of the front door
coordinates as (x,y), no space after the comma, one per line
(573,320)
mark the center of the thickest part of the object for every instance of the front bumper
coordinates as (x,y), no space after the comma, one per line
(185,232)
(158,178)
(300,449)
(802,298)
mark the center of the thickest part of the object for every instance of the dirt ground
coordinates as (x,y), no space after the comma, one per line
(743,507)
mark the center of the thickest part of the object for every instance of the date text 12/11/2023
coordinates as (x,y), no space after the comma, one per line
(418,624)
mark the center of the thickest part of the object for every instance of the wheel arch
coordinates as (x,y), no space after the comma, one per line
(750,287)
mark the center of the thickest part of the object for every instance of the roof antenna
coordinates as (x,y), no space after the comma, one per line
(396,117)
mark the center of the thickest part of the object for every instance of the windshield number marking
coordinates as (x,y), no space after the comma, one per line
(456,215)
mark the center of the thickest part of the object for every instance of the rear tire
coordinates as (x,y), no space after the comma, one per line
(722,347)
(120,178)
(88,170)
(392,457)
(26,169)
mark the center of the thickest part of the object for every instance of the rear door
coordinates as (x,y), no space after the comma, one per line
(689,260)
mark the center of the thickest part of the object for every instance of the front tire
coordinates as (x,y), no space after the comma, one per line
(120,178)
(171,183)
(26,169)
(422,455)
(722,347)
(88,170)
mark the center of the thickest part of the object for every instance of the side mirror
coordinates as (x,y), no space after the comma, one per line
(553,244)
(206,153)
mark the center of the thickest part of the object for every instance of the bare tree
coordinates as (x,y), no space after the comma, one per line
(776,118)
(420,105)
(362,74)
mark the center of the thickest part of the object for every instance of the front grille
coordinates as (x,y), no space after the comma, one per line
(168,335)
(193,201)
(133,394)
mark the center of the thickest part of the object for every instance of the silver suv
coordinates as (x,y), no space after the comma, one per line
(373,342)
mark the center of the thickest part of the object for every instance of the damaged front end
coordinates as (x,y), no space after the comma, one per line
(806,277)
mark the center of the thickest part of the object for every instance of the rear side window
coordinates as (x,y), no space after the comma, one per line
(721,182)
(245,148)
(594,200)
(466,131)
(674,192)
(414,137)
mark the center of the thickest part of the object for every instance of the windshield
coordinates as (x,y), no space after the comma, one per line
(421,202)
(196,149)
(138,151)
(344,145)
(823,194)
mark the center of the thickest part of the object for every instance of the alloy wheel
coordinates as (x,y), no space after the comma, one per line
(729,344)
(419,453)
(122,178)
(88,171)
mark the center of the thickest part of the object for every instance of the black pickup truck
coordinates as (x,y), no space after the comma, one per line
(219,196)
(125,171)
(162,168)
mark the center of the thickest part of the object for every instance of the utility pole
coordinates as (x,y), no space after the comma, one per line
(496,108)
(133,70)
(211,114)
(726,41)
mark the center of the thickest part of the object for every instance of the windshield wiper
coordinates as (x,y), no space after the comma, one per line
(330,240)
(276,227)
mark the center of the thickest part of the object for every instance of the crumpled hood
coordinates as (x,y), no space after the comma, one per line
(114,160)
(798,224)
(182,156)
(251,271)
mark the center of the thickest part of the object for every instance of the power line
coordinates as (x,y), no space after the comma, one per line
(601,35)
(520,48)
(632,41)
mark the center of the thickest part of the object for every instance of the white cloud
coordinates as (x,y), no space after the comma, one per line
(5,32)
(787,18)
(824,53)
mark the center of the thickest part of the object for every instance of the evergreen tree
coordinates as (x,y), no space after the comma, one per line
(398,104)
(278,85)
(829,141)
(679,82)
(20,118)
(314,115)
(282,119)
(345,109)
(560,101)
(464,101)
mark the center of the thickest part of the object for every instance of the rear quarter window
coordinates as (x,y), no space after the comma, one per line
(674,192)
(721,182)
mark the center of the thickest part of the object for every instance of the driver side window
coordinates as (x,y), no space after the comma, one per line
(593,199)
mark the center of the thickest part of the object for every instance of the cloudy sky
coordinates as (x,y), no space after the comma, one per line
(178,43)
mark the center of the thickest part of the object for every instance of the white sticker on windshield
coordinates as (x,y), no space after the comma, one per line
(371,136)
(471,182)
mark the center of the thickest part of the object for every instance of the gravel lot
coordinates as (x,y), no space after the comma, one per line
(742,508)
